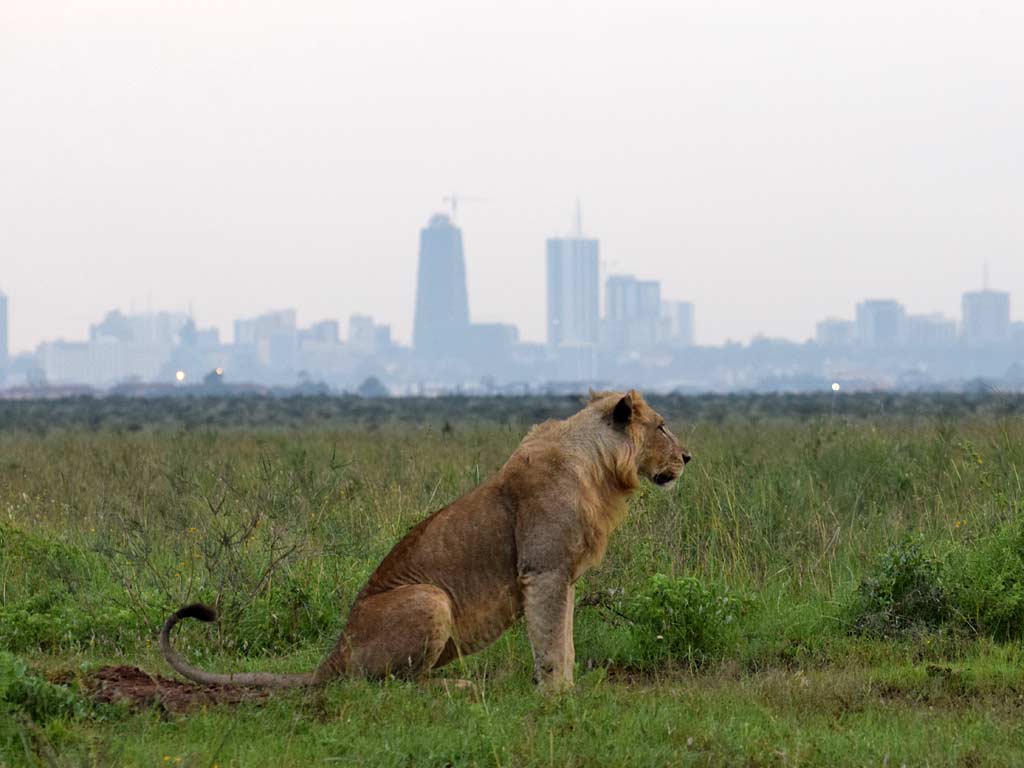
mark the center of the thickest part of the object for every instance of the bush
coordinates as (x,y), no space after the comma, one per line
(61,597)
(43,563)
(55,621)
(979,589)
(28,698)
(903,594)
(31,695)
(680,619)
(986,583)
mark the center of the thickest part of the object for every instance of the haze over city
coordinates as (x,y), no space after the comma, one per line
(773,164)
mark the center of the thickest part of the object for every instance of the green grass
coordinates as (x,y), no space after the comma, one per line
(767,611)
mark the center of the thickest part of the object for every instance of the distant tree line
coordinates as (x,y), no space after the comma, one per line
(323,411)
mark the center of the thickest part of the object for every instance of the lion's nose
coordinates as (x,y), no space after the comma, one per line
(686,457)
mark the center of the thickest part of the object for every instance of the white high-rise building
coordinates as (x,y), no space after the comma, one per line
(572,291)
(681,326)
(986,318)
(632,312)
(366,336)
(627,298)
(881,323)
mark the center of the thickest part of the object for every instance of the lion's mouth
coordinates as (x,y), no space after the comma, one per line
(664,478)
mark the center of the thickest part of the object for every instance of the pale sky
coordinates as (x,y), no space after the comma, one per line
(773,162)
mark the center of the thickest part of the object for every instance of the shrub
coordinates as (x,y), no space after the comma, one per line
(60,597)
(986,583)
(680,619)
(55,621)
(42,562)
(31,695)
(902,594)
(28,698)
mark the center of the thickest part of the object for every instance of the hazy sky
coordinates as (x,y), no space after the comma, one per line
(771,161)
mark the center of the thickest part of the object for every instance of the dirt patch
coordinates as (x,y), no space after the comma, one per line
(141,690)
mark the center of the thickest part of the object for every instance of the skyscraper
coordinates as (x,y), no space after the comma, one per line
(881,323)
(441,326)
(627,298)
(681,323)
(632,312)
(366,336)
(572,291)
(986,318)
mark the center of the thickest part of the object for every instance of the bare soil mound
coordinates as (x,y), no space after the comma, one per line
(141,690)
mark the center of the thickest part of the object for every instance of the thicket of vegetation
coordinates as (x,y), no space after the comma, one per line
(300,412)
(811,592)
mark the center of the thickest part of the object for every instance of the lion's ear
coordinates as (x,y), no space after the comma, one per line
(623,411)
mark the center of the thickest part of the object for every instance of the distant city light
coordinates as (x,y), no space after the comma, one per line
(835,386)
(180,375)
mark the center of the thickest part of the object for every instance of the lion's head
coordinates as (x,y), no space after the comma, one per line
(654,451)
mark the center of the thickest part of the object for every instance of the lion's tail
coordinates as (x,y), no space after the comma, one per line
(176,660)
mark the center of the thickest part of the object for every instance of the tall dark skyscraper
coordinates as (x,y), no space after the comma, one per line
(441,327)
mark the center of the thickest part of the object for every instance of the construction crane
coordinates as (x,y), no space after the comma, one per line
(455,198)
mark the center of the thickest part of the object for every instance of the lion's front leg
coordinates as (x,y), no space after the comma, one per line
(570,647)
(548,606)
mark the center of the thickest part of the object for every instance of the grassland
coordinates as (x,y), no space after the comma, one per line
(820,590)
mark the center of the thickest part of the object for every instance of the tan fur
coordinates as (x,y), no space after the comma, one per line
(515,545)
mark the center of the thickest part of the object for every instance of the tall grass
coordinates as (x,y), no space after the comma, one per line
(103,533)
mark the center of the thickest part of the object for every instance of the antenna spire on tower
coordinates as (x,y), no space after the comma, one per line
(455,198)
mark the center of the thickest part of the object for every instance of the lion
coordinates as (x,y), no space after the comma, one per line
(514,546)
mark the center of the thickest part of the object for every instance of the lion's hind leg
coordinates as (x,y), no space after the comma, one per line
(400,632)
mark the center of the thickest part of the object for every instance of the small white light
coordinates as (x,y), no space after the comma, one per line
(835,386)
(180,375)
(219,371)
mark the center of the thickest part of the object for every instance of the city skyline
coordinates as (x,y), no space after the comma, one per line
(617,327)
(604,272)
(441,234)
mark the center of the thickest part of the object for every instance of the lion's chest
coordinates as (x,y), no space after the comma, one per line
(600,515)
